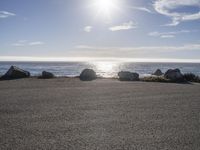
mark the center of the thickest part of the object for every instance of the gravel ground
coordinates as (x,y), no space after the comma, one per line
(105,114)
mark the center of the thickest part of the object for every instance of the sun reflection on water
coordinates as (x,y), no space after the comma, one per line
(106,69)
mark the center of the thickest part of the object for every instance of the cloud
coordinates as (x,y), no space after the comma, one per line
(88,28)
(18,44)
(137,51)
(144,48)
(22,43)
(169,7)
(125,26)
(5,14)
(142,9)
(169,34)
(36,43)
(83,47)
(108,59)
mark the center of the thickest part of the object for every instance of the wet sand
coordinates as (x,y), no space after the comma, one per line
(68,114)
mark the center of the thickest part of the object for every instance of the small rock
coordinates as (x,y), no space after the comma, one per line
(88,75)
(174,75)
(47,75)
(128,76)
(158,72)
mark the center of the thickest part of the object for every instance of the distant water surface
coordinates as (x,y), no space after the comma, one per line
(104,69)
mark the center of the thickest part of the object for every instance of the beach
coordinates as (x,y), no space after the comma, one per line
(104,114)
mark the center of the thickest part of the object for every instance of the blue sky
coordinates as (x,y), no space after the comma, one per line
(100,29)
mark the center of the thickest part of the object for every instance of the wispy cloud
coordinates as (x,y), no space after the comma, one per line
(36,43)
(134,52)
(169,34)
(125,26)
(142,9)
(5,14)
(88,28)
(108,59)
(142,48)
(168,8)
(22,43)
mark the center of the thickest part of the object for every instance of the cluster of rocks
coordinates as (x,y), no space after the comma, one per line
(173,75)
(17,73)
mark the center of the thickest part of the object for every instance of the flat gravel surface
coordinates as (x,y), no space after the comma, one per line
(106,114)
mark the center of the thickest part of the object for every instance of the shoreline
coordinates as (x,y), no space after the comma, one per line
(143,79)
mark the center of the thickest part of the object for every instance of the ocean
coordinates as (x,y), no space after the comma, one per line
(103,69)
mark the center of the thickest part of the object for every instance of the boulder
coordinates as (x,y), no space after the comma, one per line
(47,75)
(88,75)
(174,75)
(158,72)
(128,76)
(15,73)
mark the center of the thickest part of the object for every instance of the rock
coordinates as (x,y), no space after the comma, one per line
(128,76)
(158,72)
(174,75)
(15,73)
(47,75)
(190,77)
(88,75)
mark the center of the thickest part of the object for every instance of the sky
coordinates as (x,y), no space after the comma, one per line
(100,30)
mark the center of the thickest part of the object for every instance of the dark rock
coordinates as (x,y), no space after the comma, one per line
(128,76)
(191,77)
(174,75)
(47,75)
(88,75)
(158,72)
(15,73)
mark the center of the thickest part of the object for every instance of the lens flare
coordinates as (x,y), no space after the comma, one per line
(105,8)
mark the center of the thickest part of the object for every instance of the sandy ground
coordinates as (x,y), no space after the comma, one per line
(67,114)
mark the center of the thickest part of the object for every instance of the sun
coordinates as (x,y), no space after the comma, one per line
(105,8)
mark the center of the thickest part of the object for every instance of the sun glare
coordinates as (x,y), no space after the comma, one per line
(105,8)
(105,66)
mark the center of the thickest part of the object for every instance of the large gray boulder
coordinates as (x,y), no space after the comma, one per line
(128,76)
(88,75)
(174,75)
(47,75)
(158,72)
(15,73)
